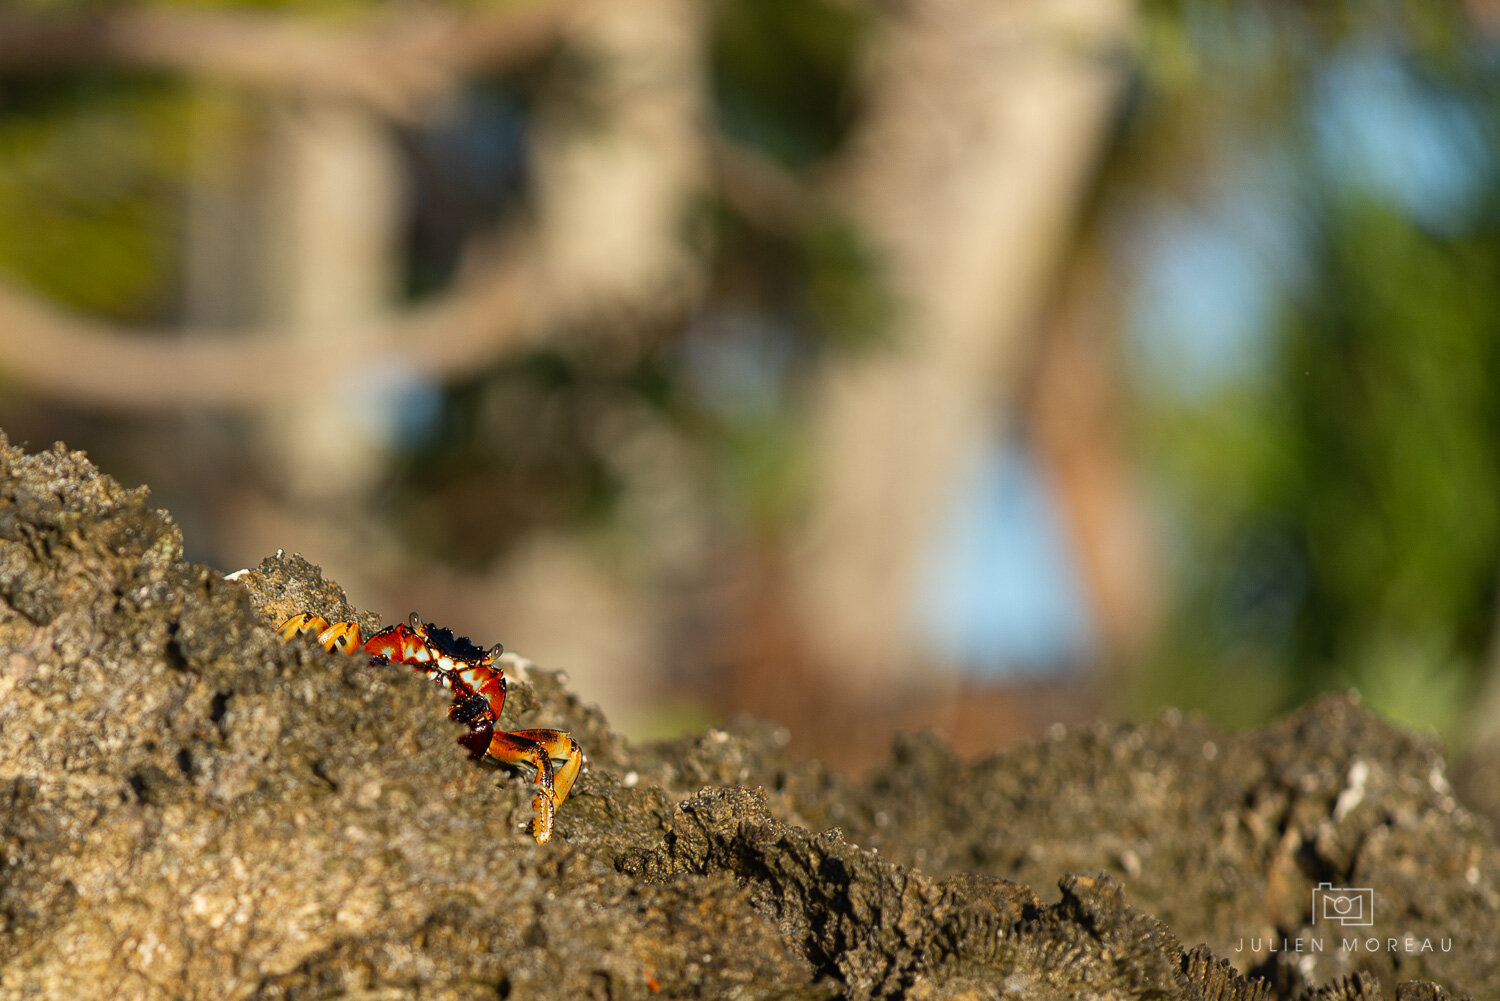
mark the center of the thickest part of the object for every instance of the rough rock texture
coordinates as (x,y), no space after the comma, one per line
(191,808)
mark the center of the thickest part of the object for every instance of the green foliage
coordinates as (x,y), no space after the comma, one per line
(782,74)
(516,447)
(1399,410)
(1335,510)
(90,173)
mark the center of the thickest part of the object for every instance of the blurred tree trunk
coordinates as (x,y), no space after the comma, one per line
(620,161)
(292,220)
(620,156)
(983,124)
(1076,421)
(1484,716)
(333,220)
(223,281)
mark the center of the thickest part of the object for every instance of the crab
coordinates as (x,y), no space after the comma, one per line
(477,682)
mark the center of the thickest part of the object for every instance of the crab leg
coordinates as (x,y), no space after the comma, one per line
(341,637)
(536,749)
(336,637)
(302,622)
(560,747)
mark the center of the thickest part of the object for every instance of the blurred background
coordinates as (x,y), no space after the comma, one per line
(866,367)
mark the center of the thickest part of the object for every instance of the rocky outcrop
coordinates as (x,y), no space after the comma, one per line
(191,808)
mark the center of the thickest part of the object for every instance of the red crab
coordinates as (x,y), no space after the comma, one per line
(478,686)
